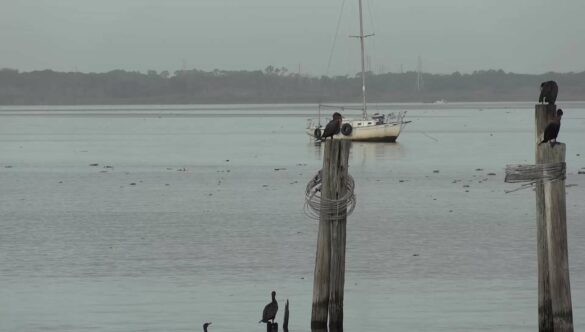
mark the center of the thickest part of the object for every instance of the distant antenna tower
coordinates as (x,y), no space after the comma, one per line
(419,79)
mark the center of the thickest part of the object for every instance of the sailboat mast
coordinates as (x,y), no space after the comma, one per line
(362,37)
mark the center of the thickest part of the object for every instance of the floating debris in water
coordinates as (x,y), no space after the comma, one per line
(133,183)
(491,174)
(94,164)
(436,171)
(280,169)
(8,166)
(479,169)
(181,169)
(108,166)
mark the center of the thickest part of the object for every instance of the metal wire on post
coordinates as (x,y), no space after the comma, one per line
(315,204)
(534,173)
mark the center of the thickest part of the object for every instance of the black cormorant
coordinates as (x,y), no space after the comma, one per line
(552,129)
(333,127)
(270,310)
(205,326)
(548,92)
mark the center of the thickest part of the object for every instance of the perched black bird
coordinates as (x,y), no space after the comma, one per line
(270,310)
(548,92)
(205,326)
(552,129)
(333,127)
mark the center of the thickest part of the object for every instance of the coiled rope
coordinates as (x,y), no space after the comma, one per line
(534,173)
(335,209)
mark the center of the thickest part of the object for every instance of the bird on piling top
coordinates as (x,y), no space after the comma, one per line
(270,310)
(333,127)
(205,326)
(552,129)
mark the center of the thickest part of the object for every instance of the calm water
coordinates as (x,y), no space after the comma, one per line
(185,219)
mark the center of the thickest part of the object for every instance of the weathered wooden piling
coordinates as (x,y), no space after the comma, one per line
(286,316)
(329,274)
(558,255)
(338,240)
(544,113)
(555,308)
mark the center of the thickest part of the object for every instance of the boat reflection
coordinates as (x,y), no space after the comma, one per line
(365,153)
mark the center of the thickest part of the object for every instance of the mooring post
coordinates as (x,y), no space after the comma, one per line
(338,219)
(543,115)
(334,174)
(558,255)
(286,316)
(554,292)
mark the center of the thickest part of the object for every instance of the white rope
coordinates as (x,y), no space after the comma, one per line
(534,173)
(335,209)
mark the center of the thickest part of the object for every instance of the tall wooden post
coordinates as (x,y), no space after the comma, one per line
(558,256)
(555,308)
(286,315)
(338,235)
(335,161)
(543,114)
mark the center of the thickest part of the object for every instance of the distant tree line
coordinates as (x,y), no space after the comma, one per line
(272,85)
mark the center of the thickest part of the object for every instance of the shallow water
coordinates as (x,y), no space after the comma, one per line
(186,219)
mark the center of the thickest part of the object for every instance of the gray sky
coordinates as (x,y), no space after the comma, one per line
(523,36)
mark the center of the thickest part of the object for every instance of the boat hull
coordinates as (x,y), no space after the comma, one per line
(367,133)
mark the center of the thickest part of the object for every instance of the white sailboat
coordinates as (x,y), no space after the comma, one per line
(375,128)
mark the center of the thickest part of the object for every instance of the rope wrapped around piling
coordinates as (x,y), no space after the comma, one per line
(535,173)
(336,209)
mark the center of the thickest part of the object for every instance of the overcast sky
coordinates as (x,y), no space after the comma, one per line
(522,36)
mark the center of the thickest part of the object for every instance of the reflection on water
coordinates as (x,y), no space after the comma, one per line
(198,218)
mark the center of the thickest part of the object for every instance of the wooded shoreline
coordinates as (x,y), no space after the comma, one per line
(272,85)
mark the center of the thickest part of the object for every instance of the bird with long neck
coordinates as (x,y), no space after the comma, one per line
(205,326)
(270,310)
(552,129)
(333,127)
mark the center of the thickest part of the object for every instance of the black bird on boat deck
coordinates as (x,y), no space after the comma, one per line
(270,310)
(552,129)
(333,127)
(205,326)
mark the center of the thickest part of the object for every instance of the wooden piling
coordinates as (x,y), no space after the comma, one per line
(286,316)
(335,164)
(338,241)
(544,113)
(558,259)
(554,291)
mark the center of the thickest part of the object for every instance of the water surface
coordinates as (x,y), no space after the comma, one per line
(195,214)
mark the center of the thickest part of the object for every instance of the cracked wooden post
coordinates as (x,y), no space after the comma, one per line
(554,292)
(335,163)
(338,237)
(558,256)
(543,115)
